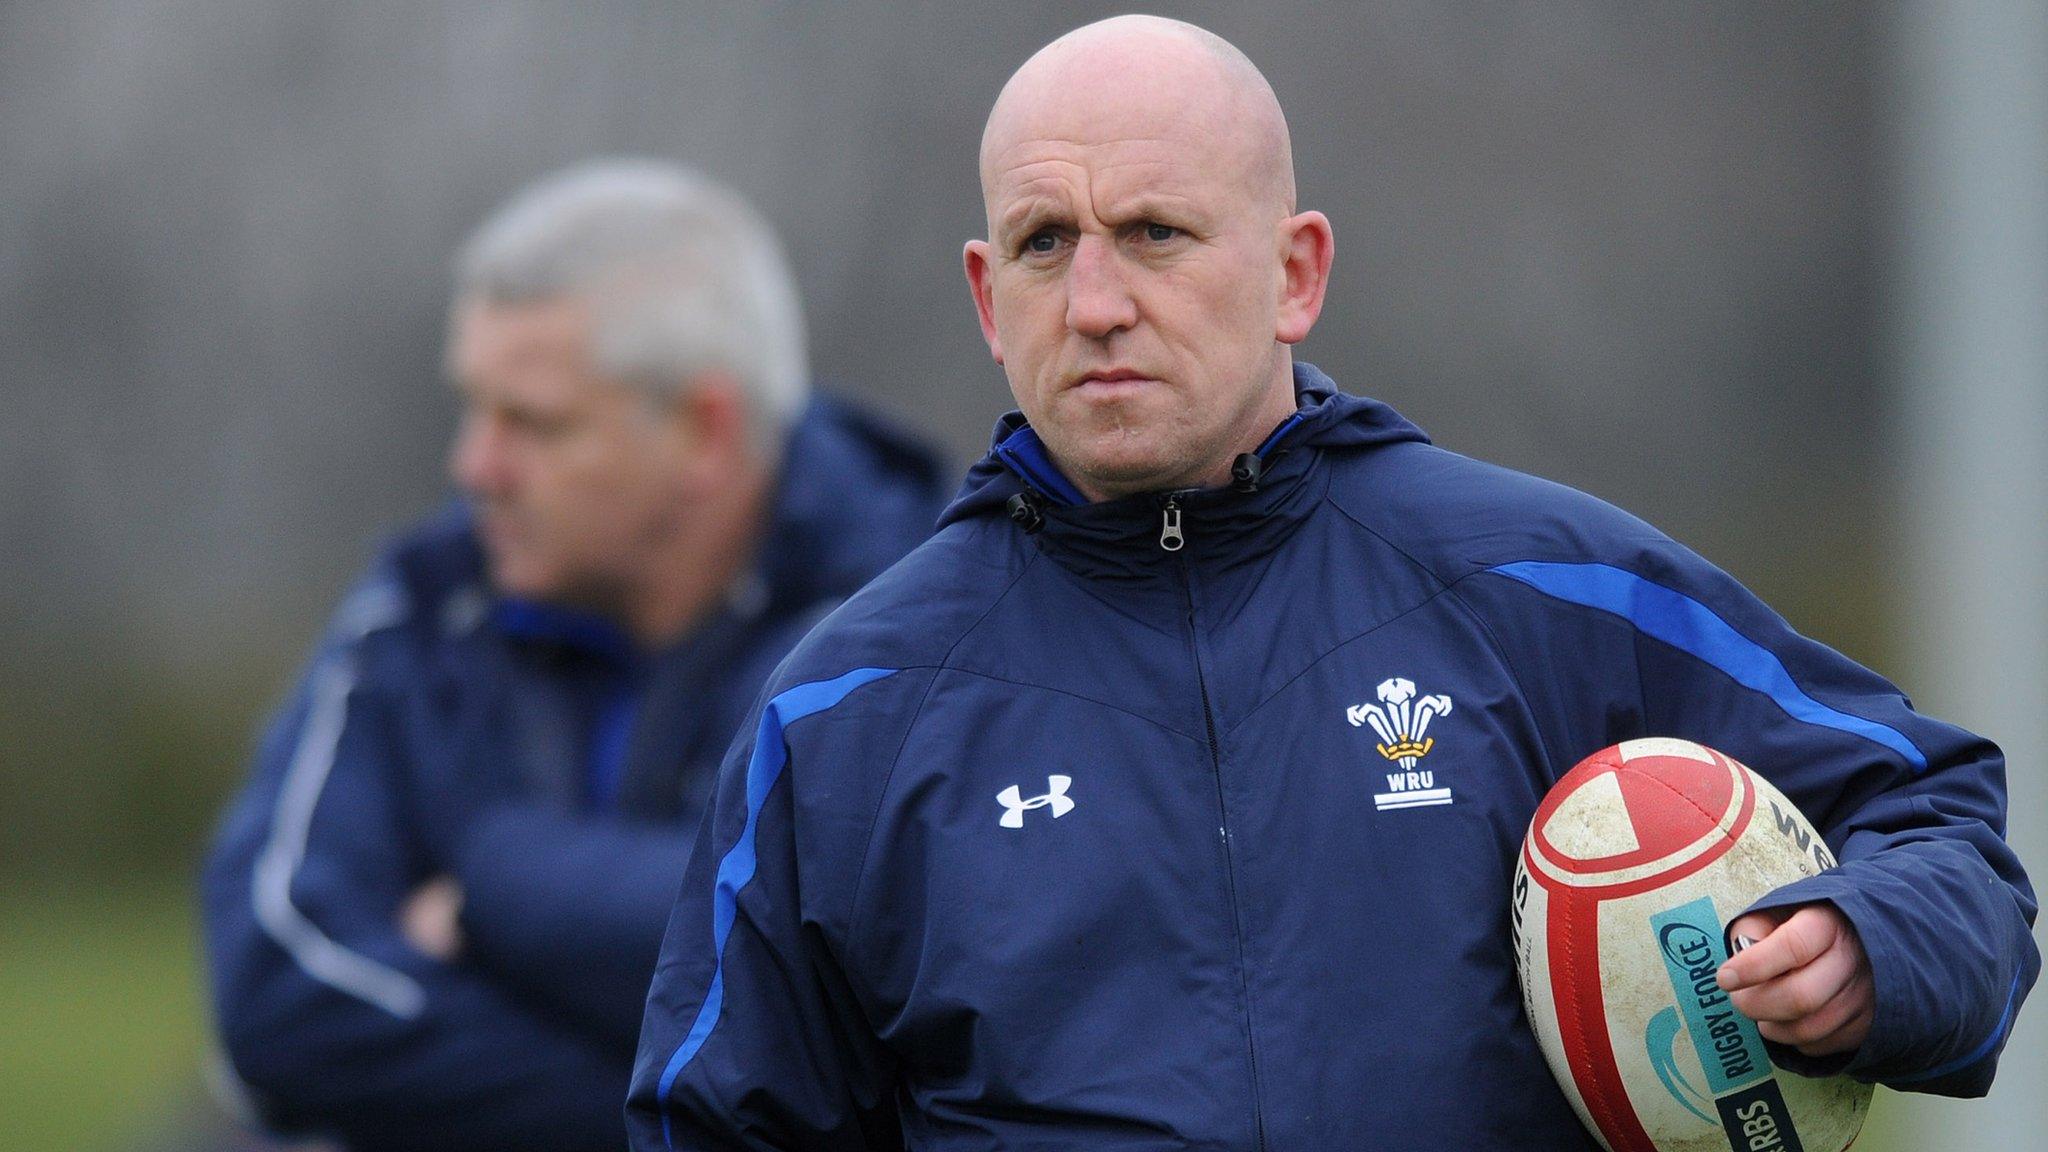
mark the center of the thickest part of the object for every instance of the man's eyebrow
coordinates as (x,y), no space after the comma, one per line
(1151,205)
(1030,214)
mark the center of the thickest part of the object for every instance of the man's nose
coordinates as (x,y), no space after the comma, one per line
(476,459)
(1099,299)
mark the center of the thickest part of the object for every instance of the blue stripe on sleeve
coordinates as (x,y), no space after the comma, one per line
(1693,628)
(736,868)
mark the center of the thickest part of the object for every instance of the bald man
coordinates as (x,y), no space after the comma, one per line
(1108,819)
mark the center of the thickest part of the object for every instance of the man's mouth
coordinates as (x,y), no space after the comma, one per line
(496,527)
(1111,381)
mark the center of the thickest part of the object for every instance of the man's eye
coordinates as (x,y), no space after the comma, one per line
(1041,242)
(1160,233)
(539,425)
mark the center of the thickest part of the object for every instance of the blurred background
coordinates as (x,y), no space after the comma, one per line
(1774,277)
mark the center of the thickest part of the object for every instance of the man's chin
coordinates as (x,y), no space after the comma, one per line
(523,581)
(1109,476)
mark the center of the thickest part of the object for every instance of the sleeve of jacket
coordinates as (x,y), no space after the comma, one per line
(755,1035)
(1662,643)
(334,1022)
(569,909)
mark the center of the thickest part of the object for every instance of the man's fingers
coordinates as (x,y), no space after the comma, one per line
(1801,939)
(430,918)
(1840,1026)
(1848,1038)
(1801,991)
(1842,1008)
(1804,981)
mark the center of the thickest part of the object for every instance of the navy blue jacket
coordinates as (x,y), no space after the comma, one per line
(558,774)
(1059,839)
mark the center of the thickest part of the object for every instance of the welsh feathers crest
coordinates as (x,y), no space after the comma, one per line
(1403,723)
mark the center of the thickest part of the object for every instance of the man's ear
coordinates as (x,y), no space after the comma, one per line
(1307,246)
(712,424)
(980,279)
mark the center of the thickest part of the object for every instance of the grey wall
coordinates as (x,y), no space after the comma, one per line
(1626,249)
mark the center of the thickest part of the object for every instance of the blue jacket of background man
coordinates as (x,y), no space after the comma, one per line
(557,774)
(1062,839)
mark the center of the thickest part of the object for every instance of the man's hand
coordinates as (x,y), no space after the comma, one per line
(430,918)
(1804,980)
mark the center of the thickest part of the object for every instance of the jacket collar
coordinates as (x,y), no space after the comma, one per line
(1121,539)
(538,622)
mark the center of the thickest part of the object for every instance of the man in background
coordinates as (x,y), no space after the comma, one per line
(433,912)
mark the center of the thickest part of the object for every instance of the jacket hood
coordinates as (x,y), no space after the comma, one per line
(1324,418)
(856,493)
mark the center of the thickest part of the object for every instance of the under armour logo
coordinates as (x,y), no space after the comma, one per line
(1015,805)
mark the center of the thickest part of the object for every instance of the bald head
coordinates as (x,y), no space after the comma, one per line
(1145,268)
(1151,77)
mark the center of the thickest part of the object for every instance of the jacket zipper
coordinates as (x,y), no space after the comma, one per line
(1170,537)
(1171,521)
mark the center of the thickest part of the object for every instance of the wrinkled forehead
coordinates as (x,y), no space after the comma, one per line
(1120,146)
(1114,181)
(1139,109)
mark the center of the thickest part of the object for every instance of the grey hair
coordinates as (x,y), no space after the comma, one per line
(681,275)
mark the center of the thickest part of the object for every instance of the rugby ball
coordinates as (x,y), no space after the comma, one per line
(1633,865)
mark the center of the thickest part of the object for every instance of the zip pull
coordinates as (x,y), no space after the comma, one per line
(1170,537)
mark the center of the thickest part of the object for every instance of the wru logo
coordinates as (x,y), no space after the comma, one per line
(1015,805)
(1402,724)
